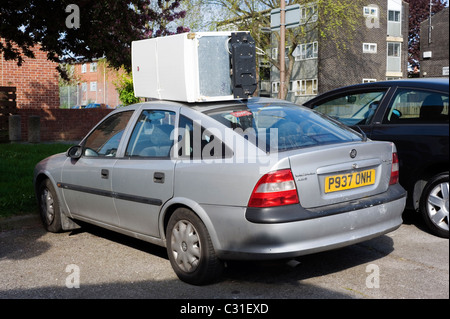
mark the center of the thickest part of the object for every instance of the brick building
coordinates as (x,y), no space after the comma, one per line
(434,43)
(376,51)
(96,84)
(36,92)
(36,81)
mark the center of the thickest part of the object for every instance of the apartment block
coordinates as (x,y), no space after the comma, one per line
(376,51)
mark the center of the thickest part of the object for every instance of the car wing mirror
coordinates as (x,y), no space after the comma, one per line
(74,152)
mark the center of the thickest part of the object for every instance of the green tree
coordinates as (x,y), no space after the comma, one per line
(75,30)
(322,18)
(419,11)
(124,86)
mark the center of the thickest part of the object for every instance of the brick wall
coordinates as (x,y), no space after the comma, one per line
(62,124)
(36,80)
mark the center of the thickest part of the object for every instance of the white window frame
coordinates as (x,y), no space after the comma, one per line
(308,13)
(303,51)
(397,53)
(397,14)
(84,68)
(93,67)
(371,48)
(275,53)
(83,86)
(93,86)
(275,87)
(299,87)
(370,12)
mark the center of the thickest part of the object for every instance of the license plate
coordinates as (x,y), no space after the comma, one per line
(348,181)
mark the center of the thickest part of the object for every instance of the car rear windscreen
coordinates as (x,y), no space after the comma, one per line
(283,126)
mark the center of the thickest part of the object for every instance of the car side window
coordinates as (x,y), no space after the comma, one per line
(411,106)
(105,139)
(152,135)
(352,109)
(196,142)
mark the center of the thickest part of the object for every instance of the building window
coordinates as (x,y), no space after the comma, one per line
(306,51)
(392,78)
(303,87)
(394,49)
(84,87)
(83,68)
(393,16)
(394,58)
(93,87)
(369,48)
(394,26)
(371,12)
(93,67)
(308,13)
(275,87)
(275,53)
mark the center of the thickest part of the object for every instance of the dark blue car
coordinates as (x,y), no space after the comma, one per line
(412,113)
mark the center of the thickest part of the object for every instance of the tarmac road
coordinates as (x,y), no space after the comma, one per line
(94,263)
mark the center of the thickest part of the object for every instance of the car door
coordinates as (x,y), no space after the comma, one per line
(143,178)
(86,182)
(416,120)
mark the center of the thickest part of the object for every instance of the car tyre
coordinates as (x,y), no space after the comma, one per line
(434,205)
(190,249)
(49,207)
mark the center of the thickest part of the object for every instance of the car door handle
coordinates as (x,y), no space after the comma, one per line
(105,173)
(158,177)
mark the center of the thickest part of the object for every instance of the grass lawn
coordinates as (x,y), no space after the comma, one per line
(17,163)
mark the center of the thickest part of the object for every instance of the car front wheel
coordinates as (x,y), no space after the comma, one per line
(434,205)
(49,207)
(190,249)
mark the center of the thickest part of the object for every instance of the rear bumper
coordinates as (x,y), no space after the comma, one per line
(235,237)
(293,213)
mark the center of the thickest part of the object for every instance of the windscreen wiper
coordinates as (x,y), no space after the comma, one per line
(364,136)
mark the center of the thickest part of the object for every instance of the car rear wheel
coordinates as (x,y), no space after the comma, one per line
(49,207)
(434,205)
(190,249)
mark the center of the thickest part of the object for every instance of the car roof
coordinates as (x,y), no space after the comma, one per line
(412,82)
(203,106)
(440,84)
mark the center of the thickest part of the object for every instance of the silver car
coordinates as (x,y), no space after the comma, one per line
(253,179)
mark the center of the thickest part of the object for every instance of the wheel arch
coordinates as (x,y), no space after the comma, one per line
(423,177)
(173,204)
(67,222)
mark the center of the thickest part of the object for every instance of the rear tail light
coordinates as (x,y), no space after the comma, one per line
(394,169)
(274,189)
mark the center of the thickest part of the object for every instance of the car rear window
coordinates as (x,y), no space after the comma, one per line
(283,126)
